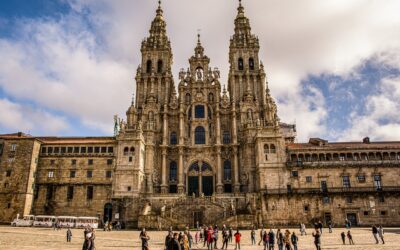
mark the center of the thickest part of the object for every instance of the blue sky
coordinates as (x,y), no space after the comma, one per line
(68,65)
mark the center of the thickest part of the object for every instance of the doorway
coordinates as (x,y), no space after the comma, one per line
(352,217)
(193,185)
(107,212)
(208,185)
(197,219)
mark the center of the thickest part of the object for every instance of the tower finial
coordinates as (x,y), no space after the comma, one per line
(133,98)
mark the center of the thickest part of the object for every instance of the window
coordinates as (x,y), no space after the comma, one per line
(361,178)
(56,150)
(129,188)
(50,192)
(227,171)
(383,213)
(89,174)
(70,193)
(199,111)
(90,162)
(381,198)
(50,174)
(8,173)
(306,208)
(240,64)
(378,182)
(266,148)
(309,179)
(200,135)
(90,150)
(289,189)
(295,174)
(44,150)
(126,151)
(109,162)
(72,174)
(50,150)
(108,174)
(326,200)
(110,149)
(63,150)
(148,66)
(159,66)
(346,181)
(173,171)
(349,199)
(96,150)
(226,137)
(70,150)
(73,162)
(36,193)
(132,151)
(341,157)
(366,213)
(83,150)
(272,149)
(9,205)
(251,63)
(130,158)
(89,193)
(173,138)
(6,185)
(76,150)
(103,150)
(13,147)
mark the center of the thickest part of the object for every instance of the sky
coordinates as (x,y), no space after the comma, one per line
(68,66)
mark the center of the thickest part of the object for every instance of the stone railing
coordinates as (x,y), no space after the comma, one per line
(283,191)
(346,163)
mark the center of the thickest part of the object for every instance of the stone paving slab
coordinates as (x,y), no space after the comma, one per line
(48,239)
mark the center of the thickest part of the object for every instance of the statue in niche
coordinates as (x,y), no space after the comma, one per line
(199,72)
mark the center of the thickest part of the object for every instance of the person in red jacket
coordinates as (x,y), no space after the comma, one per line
(210,238)
(237,239)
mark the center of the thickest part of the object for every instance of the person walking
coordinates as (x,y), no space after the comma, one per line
(237,239)
(168,239)
(185,242)
(210,238)
(320,226)
(265,239)
(330,226)
(145,239)
(190,239)
(205,233)
(261,235)
(174,243)
(69,235)
(294,240)
(230,234)
(317,239)
(216,237)
(271,239)
(225,239)
(279,239)
(343,236)
(375,233)
(303,229)
(350,237)
(253,237)
(286,240)
(380,233)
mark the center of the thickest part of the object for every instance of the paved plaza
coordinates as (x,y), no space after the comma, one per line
(48,239)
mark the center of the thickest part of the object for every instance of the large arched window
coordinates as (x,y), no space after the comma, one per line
(251,63)
(159,66)
(227,171)
(240,64)
(173,171)
(199,111)
(199,135)
(126,151)
(266,151)
(149,65)
(273,149)
(173,139)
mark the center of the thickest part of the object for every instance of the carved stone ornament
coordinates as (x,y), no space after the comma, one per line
(244,178)
(156,177)
(199,96)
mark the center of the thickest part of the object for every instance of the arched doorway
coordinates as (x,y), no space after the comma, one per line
(107,212)
(200,179)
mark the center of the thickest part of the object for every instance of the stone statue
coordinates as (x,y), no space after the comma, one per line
(193,195)
(163,210)
(199,74)
(217,74)
(202,195)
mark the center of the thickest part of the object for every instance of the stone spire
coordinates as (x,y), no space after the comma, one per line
(158,32)
(242,24)
(199,50)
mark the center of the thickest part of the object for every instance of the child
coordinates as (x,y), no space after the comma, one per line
(69,235)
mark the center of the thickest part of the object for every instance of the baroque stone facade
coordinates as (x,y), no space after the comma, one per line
(198,152)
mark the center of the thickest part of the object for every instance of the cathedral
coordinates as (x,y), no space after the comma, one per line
(194,152)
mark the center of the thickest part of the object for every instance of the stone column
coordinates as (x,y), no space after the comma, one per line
(164,186)
(219,187)
(200,179)
(181,186)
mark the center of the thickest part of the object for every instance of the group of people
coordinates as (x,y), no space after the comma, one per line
(109,225)
(89,237)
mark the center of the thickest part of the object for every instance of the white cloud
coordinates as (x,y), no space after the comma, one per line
(381,120)
(17,117)
(64,65)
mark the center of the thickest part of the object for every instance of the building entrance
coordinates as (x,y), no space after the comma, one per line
(200,179)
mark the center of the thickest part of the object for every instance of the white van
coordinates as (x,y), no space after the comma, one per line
(66,221)
(26,221)
(44,221)
(82,222)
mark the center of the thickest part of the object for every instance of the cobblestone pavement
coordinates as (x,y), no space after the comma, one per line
(48,239)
